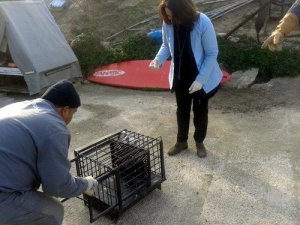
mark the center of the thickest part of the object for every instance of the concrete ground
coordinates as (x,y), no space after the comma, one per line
(251,175)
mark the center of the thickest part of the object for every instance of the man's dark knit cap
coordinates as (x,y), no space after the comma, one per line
(63,93)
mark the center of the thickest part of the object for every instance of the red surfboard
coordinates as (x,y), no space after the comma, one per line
(134,74)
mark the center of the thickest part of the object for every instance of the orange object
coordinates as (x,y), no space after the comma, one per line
(226,77)
(13,65)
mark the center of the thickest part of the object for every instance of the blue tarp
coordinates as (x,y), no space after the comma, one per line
(156,35)
(59,4)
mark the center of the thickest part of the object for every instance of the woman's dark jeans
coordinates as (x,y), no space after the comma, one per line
(200,108)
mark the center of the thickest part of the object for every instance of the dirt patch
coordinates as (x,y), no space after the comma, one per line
(103,18)
(107,17)
(129,3)
(246,101)
(253,154)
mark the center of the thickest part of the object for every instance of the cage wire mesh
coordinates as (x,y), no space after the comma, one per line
(127,165)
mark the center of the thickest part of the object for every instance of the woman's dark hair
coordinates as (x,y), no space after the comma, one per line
(184,12)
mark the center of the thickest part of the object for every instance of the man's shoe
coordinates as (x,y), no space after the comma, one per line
(178,147)
(201,150)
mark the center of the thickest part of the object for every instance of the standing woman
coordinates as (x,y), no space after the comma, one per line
(189,38)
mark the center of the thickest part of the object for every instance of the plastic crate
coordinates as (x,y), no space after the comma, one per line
(127,166)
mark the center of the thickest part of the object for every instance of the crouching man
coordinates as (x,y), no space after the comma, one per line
(34,142)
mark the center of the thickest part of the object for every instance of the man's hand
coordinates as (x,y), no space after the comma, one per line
(286,25)
(154,64)
(196,86)
(273,42)
(92,188)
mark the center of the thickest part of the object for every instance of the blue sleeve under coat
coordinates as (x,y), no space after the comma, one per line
(295,8)
(53,166)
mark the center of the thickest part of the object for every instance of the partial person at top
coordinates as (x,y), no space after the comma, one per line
(190,39)
(289,23)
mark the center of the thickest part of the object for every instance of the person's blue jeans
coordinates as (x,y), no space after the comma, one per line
(30,208)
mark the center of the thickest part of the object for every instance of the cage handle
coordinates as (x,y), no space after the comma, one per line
(65,199)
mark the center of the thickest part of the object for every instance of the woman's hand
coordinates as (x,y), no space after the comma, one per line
(155,64)
(196,86)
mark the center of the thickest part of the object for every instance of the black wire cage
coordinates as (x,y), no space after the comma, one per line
(127,166)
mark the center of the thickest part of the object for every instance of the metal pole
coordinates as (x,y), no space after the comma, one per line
(246,20)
